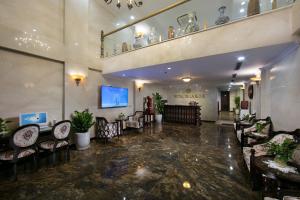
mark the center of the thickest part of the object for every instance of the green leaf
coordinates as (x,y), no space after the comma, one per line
(82,121)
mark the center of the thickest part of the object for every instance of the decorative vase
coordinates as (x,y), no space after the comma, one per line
(124,47)
(82,141)
(253,7)
(274,4)
(171,32)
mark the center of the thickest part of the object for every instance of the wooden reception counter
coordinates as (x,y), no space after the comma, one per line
(182,114)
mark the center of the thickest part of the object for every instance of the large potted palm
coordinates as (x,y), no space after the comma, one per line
(81,123)
(237,101)
(159,106)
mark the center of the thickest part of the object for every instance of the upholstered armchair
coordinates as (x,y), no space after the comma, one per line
(247,120)
(136,120)
(23,145)
(249,134)
(251,153)
(106,130)
(59,140)
(262,148)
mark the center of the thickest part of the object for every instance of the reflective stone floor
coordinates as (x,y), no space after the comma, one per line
(162,162)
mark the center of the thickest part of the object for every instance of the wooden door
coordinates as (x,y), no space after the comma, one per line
(225,101)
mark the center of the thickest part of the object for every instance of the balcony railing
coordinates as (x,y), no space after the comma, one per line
(180,19)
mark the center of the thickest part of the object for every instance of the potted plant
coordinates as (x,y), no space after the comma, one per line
(81,123)
(237,101)
(3,127)
(159,106)
(282,152)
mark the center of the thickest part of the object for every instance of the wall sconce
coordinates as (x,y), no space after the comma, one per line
(186,79)
(257,77)
(139,86)
(77,78)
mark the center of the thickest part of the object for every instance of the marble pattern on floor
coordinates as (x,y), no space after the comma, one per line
(149,164)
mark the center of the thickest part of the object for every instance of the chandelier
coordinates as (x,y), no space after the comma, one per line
(130,3)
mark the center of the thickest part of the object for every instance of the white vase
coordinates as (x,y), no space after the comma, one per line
(158,118)
(82,141)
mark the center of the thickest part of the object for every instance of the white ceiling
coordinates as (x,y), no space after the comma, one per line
(214,70)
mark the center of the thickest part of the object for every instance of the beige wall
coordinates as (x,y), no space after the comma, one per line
(30,84)
(71,28)
(280,92)
(208,103)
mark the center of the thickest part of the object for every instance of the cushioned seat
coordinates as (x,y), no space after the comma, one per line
(8,155)
(136,120)
(60,136)
(262,149)
(247,155)
(49,145)
(238,135)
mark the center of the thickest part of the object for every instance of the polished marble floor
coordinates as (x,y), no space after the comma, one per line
(162,162)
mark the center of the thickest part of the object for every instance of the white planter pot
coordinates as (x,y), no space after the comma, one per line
(158,118)
(82,140)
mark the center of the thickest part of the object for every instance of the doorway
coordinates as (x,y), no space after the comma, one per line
(225,101)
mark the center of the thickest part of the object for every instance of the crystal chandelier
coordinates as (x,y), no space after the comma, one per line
(130,3)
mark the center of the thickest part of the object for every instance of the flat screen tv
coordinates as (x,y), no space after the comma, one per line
(113,97)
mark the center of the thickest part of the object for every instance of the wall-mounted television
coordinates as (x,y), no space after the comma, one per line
(113,97)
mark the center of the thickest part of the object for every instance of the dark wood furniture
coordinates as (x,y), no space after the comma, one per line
(106,130)
(23,145)
(149,119)
(272,181)
(182,114)
(45,133)
(58,141)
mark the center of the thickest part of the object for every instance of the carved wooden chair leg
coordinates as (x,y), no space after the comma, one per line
(68,153)
(53,158)
(34,162)
(14,178)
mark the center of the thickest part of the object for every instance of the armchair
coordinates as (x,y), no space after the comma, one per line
(261,149)
(252,134)
(136,120)
(106,130)
(246,120)
(250,155)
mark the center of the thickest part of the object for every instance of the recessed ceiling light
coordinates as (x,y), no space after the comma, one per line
(169,68)
(132,17)
(243,3)
(186,79)
(241,58)
(117,24)
(242,10)
(34,30)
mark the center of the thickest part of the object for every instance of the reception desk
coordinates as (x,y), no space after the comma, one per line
(182,114)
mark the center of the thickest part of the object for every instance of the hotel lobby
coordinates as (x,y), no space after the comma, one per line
(154,100)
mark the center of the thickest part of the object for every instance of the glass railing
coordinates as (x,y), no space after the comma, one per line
(189,17)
